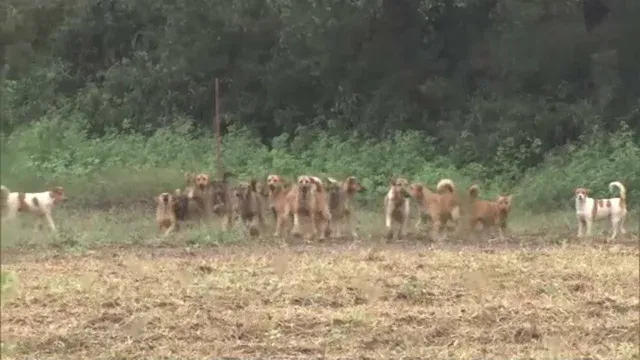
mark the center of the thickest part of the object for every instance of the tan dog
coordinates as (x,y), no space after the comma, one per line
(589,210)
(167,212)
(39,204)
(489,213)
(277,201)
(308,199)
(340,197)
(440,206)
(212,196)
(396,207)
(250,206)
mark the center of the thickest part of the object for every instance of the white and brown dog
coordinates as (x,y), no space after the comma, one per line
(589,210)
(40,204)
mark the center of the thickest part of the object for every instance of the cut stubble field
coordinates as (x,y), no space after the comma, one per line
(110,287)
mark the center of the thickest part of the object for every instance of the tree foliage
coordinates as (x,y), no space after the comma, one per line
(488,80)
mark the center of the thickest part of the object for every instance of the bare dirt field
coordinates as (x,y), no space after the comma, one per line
(530,298)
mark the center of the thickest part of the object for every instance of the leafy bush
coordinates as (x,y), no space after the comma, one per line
(125,166)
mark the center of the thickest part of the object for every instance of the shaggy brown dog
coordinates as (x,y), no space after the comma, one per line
(212,196)
(277,201)
(166,213)
(440,206)
(250,206)
(340,196)
(489,213)
(396,207)
(308,199)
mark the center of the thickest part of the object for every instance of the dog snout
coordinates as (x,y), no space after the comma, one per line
(165,198)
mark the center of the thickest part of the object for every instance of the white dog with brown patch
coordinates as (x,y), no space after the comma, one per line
(589,210)
(40,204)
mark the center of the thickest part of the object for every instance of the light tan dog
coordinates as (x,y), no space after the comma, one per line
(277,201)
(307,199)
(440,206)
(396,207)
(40,204)
(250,207)
(489,213)
(589,210)
(340,197)
(166,212)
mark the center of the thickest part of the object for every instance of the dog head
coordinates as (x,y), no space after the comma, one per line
(504,203)
(274,182)
(352,185)
(305,183)
(57,194)
(164,198)
(416,190)
(262,189)
(196,185)
(244,190)
(582,193)
(398,188)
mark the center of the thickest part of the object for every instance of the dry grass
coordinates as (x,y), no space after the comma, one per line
(562,299)
(566,302)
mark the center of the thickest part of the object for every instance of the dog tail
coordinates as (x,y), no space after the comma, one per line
(623,192)
(446,184)
(474,191)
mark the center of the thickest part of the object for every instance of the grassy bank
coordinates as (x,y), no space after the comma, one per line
(122,168)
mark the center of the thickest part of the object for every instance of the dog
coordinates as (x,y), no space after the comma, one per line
(39,204)
(170,209)
(489,213)
(340,197)
(250,206)
(589,210)
(307,198)
(441,206)
(396,207)
(277,201)
(212,196)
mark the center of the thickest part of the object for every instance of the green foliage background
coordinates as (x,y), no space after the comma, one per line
(112,99)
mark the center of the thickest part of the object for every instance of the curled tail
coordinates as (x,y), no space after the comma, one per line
(474,191)
(623,192)
(446,184)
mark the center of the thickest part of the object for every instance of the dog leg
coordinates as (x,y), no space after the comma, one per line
(388,225)
(296,225)
(581,224)
(623,231)
(350,226)
(615,223)
(419,222)
(50,221)
(589,224)
(170,229)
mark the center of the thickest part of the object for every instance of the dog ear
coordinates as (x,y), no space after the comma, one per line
(587,191)
(253,185)
(392,181)
(510,198)
(188,177)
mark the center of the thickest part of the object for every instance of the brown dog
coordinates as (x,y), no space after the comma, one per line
(340,196)
(489,213)
(250,206)
(440,206)
(308,198)
(396,207)
(212,196)
(277,201)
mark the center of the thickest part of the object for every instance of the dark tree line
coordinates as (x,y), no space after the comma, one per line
(474,74)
